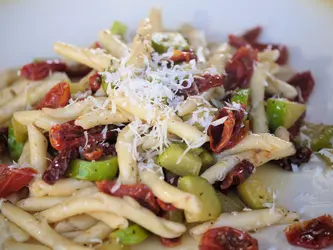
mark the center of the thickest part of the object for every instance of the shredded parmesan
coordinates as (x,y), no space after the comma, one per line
(219,121)
(155,87)
(116,186)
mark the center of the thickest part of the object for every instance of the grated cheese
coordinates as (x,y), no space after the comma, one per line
(86,138)
(116,186)
(155,87)
(104,131)
(219,121)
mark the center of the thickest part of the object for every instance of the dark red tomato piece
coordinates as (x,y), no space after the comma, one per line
(171,242)
(68,135)
(240,69)
(250,38)
(227,238)
(304,83)
(39,70)
(203,83)
(295,129)
(166,206)
(59,165)
(252,35)
(240,130)
(140,192)
(95,82)
(182,56)
(208,81)
(57,97)
(61,134)
(312,234)
(237,41)
(36,71)
(220,135)
(96,45)
(13,179)
(93,153)
(302,155)
(237,175)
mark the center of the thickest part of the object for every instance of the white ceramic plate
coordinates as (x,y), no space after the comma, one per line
(29,28)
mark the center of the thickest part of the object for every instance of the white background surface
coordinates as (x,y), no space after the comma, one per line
(29,28)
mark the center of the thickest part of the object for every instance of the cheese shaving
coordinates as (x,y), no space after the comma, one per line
(219,121)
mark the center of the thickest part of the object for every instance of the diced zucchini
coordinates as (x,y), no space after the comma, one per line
(254,194)
(77,87)
(93,170)
(131,235)
(200,187)
(20,131)
(230,203)
(162,41)
(206,158)
(196,151)
(241,96)
(15,147)
(320,135)
(118,28)
(326,154)
(190,164)
(175,215)
(282,112)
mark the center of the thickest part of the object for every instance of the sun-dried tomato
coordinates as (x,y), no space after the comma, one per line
(313,234)
(183,56)
(62,134)
(96,45)
(221,134)
(140,192)
(13,179)
(237,41)
(304,83)
(237,175)
(250,38)
(57,97)
(68,135)
(93,153)
(240,130)
(208,81)
(240,69)
(108,149)
(59,165)
(229,133)
(295,129)
(202,83)
(166,206)
(35,71)
(302,155)
(3,140)
(252,35)
(95,82)
(171,242)
(227,238)
(41,69)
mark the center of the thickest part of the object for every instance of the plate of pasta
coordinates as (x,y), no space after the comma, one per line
(157,136)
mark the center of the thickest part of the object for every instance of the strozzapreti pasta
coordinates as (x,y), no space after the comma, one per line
(155,135)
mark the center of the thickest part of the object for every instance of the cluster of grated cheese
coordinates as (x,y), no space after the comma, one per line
(154,87)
